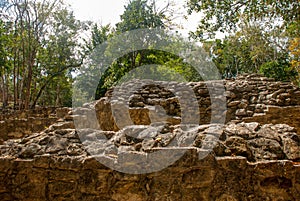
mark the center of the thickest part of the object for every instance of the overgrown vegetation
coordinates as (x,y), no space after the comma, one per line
(261,36)
(42,46)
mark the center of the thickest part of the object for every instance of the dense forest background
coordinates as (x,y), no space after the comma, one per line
(42,45)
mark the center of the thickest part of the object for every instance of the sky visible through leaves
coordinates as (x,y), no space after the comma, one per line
(108,11)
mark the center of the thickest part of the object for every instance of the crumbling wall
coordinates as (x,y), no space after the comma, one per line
(250,162)
(254,156)
(248,98)
(18,124)
(226,178)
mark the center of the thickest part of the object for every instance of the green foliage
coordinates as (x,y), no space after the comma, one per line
(280,70)
(166,66)
(294,47)
(5,43)
(140,14)
(226,15)
(43,48)
(58,92)
(243,52)
(5,61)
(259,33)
(87,74)
(58,58)
(100,35)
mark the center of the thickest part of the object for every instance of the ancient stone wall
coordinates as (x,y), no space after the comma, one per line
(250,162)
(229,178)
(254,156)
(248,98)
(17,124)
(25,114)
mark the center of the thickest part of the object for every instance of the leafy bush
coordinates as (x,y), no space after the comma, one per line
(280,70)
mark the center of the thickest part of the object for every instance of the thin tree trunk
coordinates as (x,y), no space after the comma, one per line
(14,81)
(50,79)
(40,92)
(23,81)
(28,88)
(4,91)
(58,101)
(7,89)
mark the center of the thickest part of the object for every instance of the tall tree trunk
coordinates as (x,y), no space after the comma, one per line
(40,93)
(23,80)
(18,92)
(58,100)
(14,81)
(4,91)
(7,90)
(28,88)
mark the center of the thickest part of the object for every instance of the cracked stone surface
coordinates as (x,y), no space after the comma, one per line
(255,155)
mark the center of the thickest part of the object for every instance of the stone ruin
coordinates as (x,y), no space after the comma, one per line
(18,124)
(253,155)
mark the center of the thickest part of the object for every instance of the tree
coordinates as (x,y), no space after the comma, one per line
(5,63)
(279,69)
(294,47)
(245,51)
(60,54)
(99,35)
(225,16)
(45,46)
(267,31)
(138,14)
(87,74)
(143,14)
(295,52)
